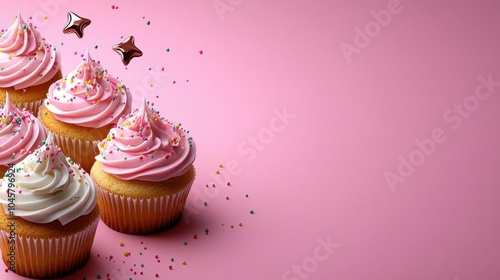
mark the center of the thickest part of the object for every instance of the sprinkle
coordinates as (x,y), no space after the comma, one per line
(157,275)
(45,17)
(220,165)
(148,22)
(126,253)
(201,51)
(170,267)
(205,203)
(98,276)
(227,197)
(240,224)
(96,46)
(185,243)
(171,259)
(195,236)
(184,262)
(246,195)
(217,172)
(228,184)
(168,50)
(122,244)
(251,212)
(206,231)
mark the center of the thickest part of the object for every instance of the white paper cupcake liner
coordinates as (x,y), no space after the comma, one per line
(32,106)
(81,151)
(51,257)
(141,215)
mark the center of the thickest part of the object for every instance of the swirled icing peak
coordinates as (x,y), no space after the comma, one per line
(144,146)
(88,96)
(48,187)
(20,133)
(26,59)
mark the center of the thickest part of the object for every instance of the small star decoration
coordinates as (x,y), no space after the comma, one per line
(127,50)
(76,24)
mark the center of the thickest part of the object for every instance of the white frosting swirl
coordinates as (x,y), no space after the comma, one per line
(48,187)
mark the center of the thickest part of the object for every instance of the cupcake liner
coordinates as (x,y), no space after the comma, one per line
(80,151)
(49,257)
(141,215)
(33,106)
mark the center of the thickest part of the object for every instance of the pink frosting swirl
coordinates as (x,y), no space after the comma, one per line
(20,133)
(144,146)
(88,96)
(26,59)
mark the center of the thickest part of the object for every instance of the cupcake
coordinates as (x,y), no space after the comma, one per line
(20,133)
(143,173)
(29,64)
(81,109)
(49,215)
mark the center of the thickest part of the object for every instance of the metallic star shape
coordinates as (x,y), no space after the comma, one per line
(76,24)
(127,50)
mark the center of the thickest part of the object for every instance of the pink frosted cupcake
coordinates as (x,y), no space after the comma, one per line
(143,173)
(81,109)
(29,64)
(20,133)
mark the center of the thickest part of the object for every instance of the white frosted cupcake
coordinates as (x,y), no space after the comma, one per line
(49,216)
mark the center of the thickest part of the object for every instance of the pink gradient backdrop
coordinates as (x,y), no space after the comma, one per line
(320,175)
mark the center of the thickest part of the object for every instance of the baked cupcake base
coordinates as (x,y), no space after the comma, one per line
(141,207)
(46,250)
(32,97)
(77,142)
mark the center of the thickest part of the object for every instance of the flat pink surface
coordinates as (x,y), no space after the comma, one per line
(310,106)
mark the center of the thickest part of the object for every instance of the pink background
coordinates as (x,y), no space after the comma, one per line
(320,175)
